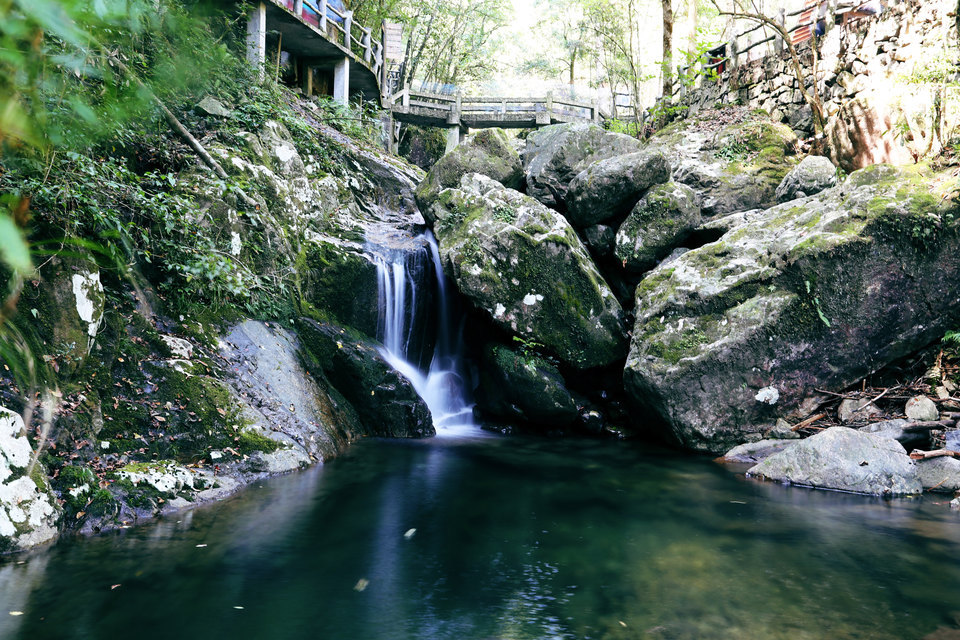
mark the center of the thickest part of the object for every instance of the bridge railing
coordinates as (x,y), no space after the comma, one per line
(340,26)
(454,108)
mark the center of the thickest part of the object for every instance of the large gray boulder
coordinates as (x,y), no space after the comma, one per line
(812,294)
(555,155)
(939,474)
(813,175)
(385,401)
(525,387)
(487,152)
(665,217)
(733,167)
(28,510)
(847,460)
(523,265)
(611,187)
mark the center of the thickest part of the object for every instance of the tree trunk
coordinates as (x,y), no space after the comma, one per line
(693,20)
(667,48)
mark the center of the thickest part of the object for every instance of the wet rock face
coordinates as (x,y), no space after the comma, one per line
(847,460)
(555,155)
(525,387)
(28,510)
(385,402)
(611,187)
(487,152)
(808,294)
(732,167)
(665,217)
(524,266)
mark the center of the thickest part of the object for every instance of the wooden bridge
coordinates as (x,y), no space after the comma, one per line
(458,113)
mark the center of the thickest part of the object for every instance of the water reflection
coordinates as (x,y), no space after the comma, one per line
(515,539)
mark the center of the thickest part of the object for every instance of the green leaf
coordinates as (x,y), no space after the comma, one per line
(13,248)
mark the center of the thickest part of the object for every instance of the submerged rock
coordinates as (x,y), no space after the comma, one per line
(524,387)
(555,155)
(28,510)
(524,266)
(487,152)
(385,400)
(812,294)
(610,187)
(666,216)
(813,175)
(847,460)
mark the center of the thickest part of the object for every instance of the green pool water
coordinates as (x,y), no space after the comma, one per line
(511,538)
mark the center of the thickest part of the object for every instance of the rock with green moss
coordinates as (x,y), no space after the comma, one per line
(385,400)
(523,265)
(28,510)
(733,167)
(810,294)
(663,219)
(525,387)
(556,154)
(610,187)
(810,177)
(63,309)
(487,152)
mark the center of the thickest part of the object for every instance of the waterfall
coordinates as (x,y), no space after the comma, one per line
(402,274)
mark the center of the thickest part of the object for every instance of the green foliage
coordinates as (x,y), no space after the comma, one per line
(623,126)
(505,213)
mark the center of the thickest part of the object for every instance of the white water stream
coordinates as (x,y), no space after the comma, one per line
(444,385)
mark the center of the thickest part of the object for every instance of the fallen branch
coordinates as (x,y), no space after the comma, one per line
(931,424)
(939,453)
(809,421)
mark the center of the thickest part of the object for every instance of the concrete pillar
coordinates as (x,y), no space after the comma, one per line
(453,138)
(257,38)
(341,81)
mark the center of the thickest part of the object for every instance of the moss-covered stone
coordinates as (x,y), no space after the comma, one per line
(533,276)
(797,298)
(487,152)
(519,385)
(663,219)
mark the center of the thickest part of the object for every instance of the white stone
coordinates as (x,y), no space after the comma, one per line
(921,408)
(179,347)
(235,245)
(87,308)
(769,395)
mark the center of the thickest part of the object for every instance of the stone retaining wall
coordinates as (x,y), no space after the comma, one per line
(883,77)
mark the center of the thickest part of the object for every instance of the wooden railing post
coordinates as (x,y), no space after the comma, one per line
(367,47)
(406,96)
(298,8)
(347,28)
(322,8)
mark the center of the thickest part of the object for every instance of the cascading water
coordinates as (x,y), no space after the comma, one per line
(443,386)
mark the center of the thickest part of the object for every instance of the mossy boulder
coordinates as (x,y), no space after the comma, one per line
(487,152)
(734,161)
(340,283)
(523,386)
(810,177)
(524,266)
(664,218)
(610,187)
(811,294)
(385,401)
(556,154)
(28,510)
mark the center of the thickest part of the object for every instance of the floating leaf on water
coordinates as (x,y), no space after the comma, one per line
(113,586)
(361,584)
(410,533)
(201,546)
(238,607)
(16,613)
